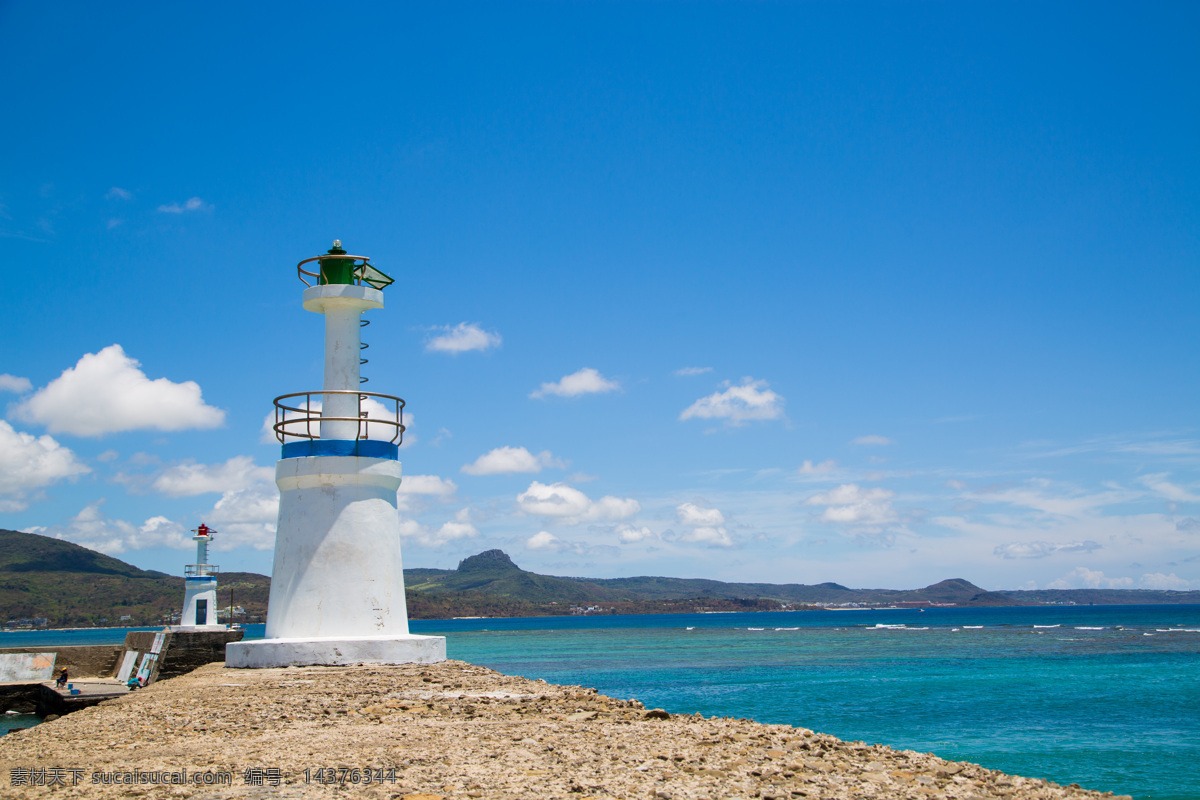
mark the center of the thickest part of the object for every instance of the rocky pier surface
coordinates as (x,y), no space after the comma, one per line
(452,730)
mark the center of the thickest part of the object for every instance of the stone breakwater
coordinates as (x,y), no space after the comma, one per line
(452,730)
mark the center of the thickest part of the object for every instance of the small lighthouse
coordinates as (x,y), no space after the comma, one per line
(337,585)
(200,587)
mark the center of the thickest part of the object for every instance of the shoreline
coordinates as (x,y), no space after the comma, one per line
(455,730)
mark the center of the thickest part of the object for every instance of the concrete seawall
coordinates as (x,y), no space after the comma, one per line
(453,730)
(178,652)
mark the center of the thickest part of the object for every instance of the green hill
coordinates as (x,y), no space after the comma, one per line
(60,584)
(68,585)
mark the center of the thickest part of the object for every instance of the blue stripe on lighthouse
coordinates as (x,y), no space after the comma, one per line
(363,448)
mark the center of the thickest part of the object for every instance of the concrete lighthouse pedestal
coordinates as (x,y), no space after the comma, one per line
(337,586)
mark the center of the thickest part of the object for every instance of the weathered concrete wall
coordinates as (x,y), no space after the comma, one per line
(81,661)
(182,651)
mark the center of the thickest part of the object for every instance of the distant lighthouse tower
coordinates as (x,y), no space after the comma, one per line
(337,586)
(200,588)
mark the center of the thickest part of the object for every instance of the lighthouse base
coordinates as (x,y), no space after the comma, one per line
(263,653)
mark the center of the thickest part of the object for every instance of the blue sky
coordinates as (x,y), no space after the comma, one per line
(876,293)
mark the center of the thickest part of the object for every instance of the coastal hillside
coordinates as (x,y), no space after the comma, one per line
(46,582)
(50,582)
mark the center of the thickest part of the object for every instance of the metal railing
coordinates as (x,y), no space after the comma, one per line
(366,272)
(201,570)
(305,418)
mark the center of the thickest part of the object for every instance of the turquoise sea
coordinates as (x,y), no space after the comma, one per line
(1104,696)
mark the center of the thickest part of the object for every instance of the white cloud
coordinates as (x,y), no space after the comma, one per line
(1159,484)
(751,400)
(1043,549)
(90,528)
(458,528)
(117,193)
(706,525)
(692,514)
(872,440)
(543,540)
(573,506)
(30,463)
(686,372)
(185,480)
(628,534)
(462,338)
(1157,580)
(1084,578)
(108,455)
(508,460)
(717,537)
(106,392)
(11,383)
(851,503)
(585,381)
(246,517)
(162,531)
(427,484)
(192,204)
(824,468)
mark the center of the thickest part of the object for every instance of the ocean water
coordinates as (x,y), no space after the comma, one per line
(1104,696)
(1109,697)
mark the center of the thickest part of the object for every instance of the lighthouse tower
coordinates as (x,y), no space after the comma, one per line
(337,585)
(200,588)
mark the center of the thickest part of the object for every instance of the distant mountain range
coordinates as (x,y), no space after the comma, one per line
(54,583)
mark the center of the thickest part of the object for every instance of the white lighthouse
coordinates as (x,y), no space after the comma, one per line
(337,586)
(200,588)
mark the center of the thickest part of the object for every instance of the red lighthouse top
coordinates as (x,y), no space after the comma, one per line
(204,530)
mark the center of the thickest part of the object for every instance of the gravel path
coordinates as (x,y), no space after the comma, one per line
(451,730)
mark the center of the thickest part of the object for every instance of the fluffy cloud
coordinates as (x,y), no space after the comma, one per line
(462,338)
(585,381)
(106,392)
(751,400)
(458,528)
(692,514)
(185,480)
(1157,580)
(824,468)
(1084,578)
(508,460)
(1043,549)
(543,540)
(117,193)
(872,440)
(246,517)
(686,372)
(852,504)
(417,491)
(30,463)
(192,204)
(427,484)
(628,534)
(705,525)
(11,383)
(90,528)
(573,506)
(716,537)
